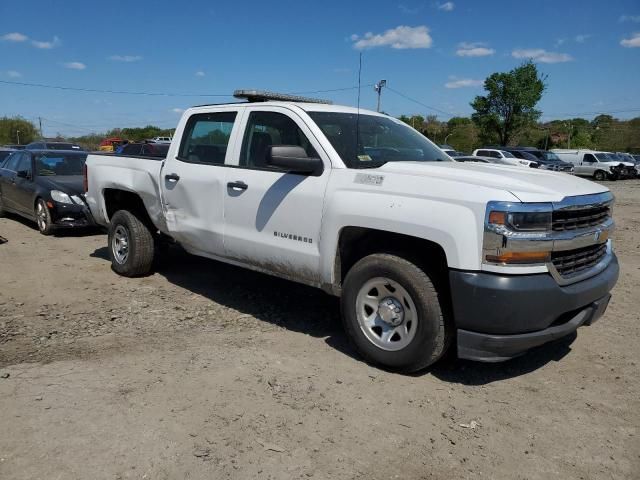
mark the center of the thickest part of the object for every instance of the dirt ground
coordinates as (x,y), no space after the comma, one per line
(206,371)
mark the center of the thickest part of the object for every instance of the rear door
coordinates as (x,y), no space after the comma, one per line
(273,218)
(24,186)
(193,181)
(7,178)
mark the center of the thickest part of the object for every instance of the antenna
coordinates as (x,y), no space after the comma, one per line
(358,108)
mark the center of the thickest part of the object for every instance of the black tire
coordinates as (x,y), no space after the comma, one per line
(43,217)
(433,334)
(599,175)
(138,260)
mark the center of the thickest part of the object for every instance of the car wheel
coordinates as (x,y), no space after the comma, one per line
(131,245)
(393,313)
(599,176)
(43,217)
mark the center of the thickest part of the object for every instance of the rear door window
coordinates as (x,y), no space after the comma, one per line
(24,164)
(12,161)
(206,138)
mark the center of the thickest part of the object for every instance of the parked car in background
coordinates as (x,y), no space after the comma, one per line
(52,146)
(546,160)
(476,159)
(5,152)
(144,150)
(45,186)
(598,165)
(161,140)
(453,153)
(504,155)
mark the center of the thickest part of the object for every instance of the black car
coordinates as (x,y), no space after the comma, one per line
(53,146)
(547,160)
(45,186)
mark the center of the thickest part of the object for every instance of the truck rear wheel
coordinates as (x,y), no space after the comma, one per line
(131,245)
(393,314)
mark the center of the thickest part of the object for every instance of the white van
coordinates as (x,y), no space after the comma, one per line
(592,163)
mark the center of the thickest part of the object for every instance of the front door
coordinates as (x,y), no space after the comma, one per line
(192,182)
(272,218)
(24,186)
(587,166)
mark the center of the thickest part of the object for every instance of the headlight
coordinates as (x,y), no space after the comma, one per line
(533,221)
(61,197)
(517,233)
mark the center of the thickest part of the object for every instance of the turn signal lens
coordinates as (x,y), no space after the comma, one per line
(498,218)
(520,257)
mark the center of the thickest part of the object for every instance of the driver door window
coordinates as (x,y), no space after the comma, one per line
(265,129)
(588,158)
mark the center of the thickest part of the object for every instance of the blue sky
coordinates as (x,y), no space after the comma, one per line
(437,53)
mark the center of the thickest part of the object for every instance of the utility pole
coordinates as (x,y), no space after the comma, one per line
(569,139)
(18,134)
(40,123)
(378,88)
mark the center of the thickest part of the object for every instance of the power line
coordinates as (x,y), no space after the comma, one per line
(419,102)
(156,94)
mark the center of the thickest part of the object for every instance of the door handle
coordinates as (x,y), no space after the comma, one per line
(237,185)
(173,177)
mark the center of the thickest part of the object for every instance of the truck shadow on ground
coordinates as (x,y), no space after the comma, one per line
(310,311)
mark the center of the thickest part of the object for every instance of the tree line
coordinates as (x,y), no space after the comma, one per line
(505,115)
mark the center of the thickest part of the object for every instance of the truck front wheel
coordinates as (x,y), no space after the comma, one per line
(131,245)
(393,313)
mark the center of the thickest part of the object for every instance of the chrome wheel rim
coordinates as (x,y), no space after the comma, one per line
(386,314)
(120,244)
(41,216)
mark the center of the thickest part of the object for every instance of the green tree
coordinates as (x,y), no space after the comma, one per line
(509,105)
(17,130)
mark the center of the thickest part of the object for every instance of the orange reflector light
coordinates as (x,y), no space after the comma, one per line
(498,218)
(49,204)
(520,257)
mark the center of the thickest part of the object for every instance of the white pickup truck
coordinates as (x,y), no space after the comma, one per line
(425,253)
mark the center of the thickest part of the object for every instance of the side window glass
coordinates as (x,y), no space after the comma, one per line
(265,129)
(24,164)
(588,158)
(206,138)
(12,162)
(483,153)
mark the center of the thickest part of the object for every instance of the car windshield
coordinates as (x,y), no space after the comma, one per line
(48,164)
(551,157)
(4,154)
(508,154)
(369,141)
(605,157)
(529,156)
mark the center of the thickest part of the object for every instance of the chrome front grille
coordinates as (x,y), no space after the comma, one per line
(574,219)
(572,262)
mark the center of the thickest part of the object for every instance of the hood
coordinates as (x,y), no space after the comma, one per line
(527,184)
(71,184)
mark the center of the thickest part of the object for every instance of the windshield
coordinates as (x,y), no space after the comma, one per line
(551,157)
(379,140)
(529,156)
(4,154)
(48,164)
(508,154)
(605,157)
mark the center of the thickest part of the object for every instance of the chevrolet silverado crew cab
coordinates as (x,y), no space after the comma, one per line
(426,253)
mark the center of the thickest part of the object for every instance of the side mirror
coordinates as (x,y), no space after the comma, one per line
(293,159)
(23,174)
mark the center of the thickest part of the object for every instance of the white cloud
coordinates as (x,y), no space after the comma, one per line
(125,58)
(409,10)
(46,45)
(629,18)
(177,110)
(463,82)
(400,38)
(582,38)
(474,50)
(13,74)
(446,6)
(200,73)
(542,56)
(15,37)
(632,42)
(75,65)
